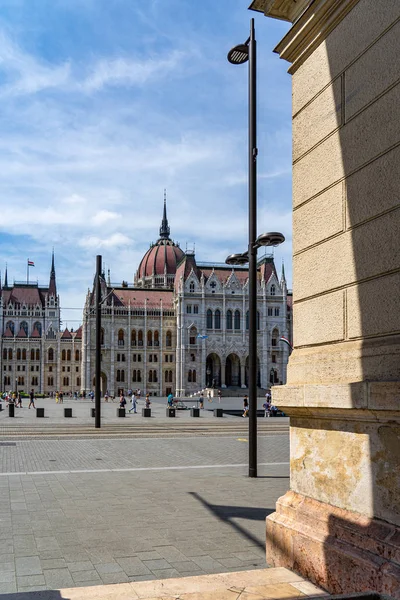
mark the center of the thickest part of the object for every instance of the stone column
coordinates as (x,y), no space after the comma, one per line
(339,525)
(223,362)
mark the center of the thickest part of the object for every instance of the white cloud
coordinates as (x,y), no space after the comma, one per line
(105,216)
(116,240)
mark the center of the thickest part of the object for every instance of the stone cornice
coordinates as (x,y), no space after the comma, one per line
(311,29)
(286,10)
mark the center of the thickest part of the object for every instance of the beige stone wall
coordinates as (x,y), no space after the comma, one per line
(346,267)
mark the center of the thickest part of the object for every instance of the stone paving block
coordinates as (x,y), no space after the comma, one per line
(8,588)
(6,566)
(121,577)
(85,576)
(7,576)
(157,564)
(207,563)
(30,580)
(166,574)
(74,567)
(111,567)
(58,578)
(151,555)
(46,543)
(29,565)
(53,563)
(185,565)
(133,566)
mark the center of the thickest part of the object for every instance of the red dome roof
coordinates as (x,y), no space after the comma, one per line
(163,255)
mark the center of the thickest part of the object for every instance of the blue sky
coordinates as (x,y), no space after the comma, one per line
(104,103)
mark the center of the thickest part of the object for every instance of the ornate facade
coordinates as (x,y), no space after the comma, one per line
(183,325)
(35,353)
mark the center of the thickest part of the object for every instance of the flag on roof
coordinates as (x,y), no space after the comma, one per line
(286,341)
(31,263)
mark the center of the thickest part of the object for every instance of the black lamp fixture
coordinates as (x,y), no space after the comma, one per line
(237,56)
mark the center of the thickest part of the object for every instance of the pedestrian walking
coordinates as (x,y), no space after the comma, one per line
(219,396)
(245,407)
(209,396)
(106,396)
(170,400)
(267,408)
(122,401)
(61,398)
(133,403)
(201,400)
(19,400)
(31,399)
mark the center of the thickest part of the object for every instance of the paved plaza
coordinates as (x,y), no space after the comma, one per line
(78,512)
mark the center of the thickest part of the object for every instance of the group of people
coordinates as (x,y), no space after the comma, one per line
(16,399)
(269,409)
(135,396)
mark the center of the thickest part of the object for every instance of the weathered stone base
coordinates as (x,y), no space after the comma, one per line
(339,550)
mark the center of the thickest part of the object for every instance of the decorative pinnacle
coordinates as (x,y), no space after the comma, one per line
(164,229)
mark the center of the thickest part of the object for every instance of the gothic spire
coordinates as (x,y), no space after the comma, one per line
(6,279)
(164,229)
(52,284)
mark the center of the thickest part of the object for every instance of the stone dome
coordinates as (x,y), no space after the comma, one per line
(162,258)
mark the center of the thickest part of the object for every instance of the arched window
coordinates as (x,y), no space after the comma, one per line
(10,354)
(122,375)
(258,320)
(193,336)
(170,377)
(66,381)
(155,358)
(121,337)
(274,337)
(155,379)
(23,353)
(191,287)
(4,353)
(63,355)
(118,375)
(237,319)
(166,377)
(11,326)
(149,338)
(24,326)
(78,382)
(192,357)
(38,327)
(133,337)
(168,339)
(50,355)
(19,354)
(102,337)
(273,290)
(134,376)
(156,338)
(209,319)
(139,375)
(140,337)
(68,354)
(50,381)
(194,375)
(77,356)
(33,354)
(229,319)
(217,319)
(190,376)
(151,376)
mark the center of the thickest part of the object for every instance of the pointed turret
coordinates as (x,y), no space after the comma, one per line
(283,279)
(52,284)
(6,279)
(164,229)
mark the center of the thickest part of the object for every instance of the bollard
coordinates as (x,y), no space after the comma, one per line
(67,412)
(93,412)
(146,412)
(11,409)
(218,412)
(40,412)
(170,412)
(194,412)
(1,407)
(120,412)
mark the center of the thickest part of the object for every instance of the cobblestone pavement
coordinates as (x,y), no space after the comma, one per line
(183,506)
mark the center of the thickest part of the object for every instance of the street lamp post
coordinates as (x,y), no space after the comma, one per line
(237,56)
(97,405)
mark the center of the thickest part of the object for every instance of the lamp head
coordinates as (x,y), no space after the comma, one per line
(239,54)
(237,259)
(273,238)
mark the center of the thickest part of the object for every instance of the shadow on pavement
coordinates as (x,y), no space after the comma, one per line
(39,595)
(227,513)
